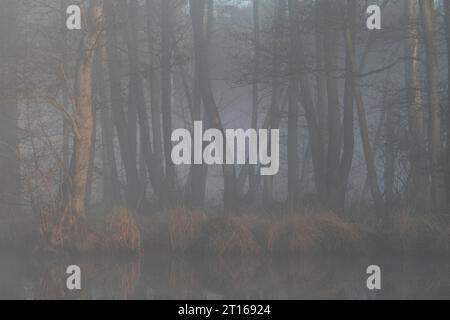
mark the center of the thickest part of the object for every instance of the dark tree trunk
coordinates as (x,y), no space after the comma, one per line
(197,10)
(166,92)
(134,193)
(293,112)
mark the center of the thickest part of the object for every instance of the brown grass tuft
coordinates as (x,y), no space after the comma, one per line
(419,234)
(185,228)
(231,236)
(313,231)
(124,232)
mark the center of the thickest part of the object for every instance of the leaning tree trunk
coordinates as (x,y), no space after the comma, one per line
(364,130)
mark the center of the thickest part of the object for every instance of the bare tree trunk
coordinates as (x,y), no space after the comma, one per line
(197,10)
(255,83)
(199,173)
(419,190)
(368,151)
(316,128)
(436,147)
(9,116)
(166,92)
(155,97)
(110,180)
(75,201)
(91,170)
(447,32)
(280,9)
(293,112)
(348,124)
(334,116)
(65,97)
(134,190)
(389,155)
(137,102)
(322,99)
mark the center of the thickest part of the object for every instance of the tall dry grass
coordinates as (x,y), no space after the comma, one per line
(123,234)
(190,231)
(314,231)
(231,236)
(418,234)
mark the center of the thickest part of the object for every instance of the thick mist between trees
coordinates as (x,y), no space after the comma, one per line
(355,119)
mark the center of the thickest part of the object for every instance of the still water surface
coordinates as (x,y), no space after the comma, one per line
(171,277)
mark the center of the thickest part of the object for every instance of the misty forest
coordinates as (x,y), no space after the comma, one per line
(87,117)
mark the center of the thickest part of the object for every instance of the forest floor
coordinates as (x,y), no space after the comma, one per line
(309,232)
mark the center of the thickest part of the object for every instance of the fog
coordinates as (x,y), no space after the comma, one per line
(100,156)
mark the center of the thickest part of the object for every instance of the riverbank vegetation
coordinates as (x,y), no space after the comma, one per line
(195,233)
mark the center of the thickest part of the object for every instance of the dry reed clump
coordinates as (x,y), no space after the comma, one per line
(231,236)
(185,228)
(419,234)
(63,231)
(123,232)
(313,232)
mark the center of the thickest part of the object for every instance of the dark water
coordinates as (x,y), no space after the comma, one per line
(171,277)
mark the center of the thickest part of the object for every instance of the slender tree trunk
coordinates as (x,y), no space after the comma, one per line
(255,83)
(199,173)
(155,97)
(348,124)
(166,92)
(137,102)
(436,146)
(334,116)
(9,115)
(293,112)
(91,170)
(110,180)
(134,193)
(197,10)
(280,9)
(419,189)
(447,33)
(65,95)
(389,155)
(364,129)
(322,99)
(316,128)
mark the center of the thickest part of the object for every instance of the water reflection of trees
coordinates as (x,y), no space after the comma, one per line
(104,280)
(169,277)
